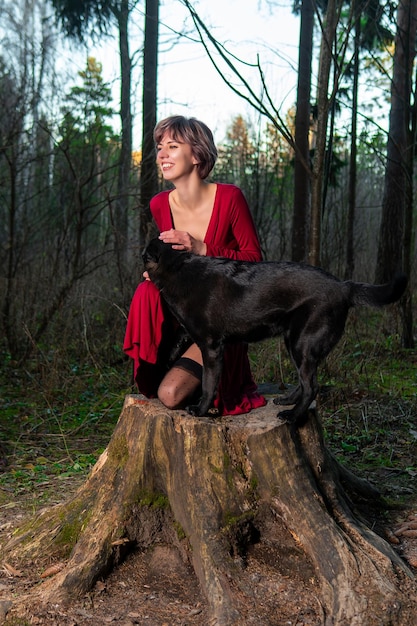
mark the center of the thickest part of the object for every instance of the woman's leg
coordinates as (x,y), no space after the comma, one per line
(182,380)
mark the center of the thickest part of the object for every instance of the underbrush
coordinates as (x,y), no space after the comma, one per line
(58,413)
(367,400)
(54,424)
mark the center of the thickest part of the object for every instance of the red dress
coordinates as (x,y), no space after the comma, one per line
(231,233)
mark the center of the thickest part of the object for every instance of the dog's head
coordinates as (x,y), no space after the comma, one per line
(157,255)
(152,252)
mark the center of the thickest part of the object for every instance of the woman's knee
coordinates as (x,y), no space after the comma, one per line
(177,386)
(169,395)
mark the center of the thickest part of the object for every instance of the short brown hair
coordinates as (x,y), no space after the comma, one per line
(196,134)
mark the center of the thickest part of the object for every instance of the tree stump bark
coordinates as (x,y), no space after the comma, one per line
(213,482)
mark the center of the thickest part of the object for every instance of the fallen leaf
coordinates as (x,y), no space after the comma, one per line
(100,586)
(409,533)
(412,559)
(11,571)
(52,570)
(405,526)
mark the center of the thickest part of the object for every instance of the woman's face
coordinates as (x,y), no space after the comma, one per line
(175,158)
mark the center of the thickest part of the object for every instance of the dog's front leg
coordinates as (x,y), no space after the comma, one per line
(212,368)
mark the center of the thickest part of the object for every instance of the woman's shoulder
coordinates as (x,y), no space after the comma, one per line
(160,198)
(231,194)
(228,187)
(228,190)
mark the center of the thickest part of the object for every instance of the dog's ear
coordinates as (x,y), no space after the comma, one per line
(152,252)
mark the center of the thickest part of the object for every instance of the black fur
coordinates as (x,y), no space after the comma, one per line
(220,301)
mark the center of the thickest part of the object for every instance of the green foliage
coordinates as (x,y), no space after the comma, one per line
(53,435)
(36,475)
(368,395)
(88,106)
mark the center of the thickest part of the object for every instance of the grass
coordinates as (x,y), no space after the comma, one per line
(53,431)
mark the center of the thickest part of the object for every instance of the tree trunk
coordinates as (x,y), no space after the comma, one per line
(350,230)
(214,482)
(120,219)
(407,334)
(391,232)
(302,171)
(323,104)
(149,172)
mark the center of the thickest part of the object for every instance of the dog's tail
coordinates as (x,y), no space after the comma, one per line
(378,295)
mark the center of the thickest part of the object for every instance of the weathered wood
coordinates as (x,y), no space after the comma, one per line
(211,481)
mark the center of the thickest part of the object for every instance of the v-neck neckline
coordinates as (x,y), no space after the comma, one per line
(211,220)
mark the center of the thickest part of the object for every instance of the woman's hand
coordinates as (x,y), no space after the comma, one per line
(181,240)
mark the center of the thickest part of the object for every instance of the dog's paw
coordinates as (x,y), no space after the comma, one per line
(287,416)
(288,398)
(194,410)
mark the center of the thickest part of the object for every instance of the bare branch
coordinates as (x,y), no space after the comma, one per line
(258,103)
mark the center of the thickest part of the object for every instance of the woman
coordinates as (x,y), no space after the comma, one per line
(205,218)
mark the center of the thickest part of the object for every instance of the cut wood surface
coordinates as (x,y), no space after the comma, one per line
(211,488)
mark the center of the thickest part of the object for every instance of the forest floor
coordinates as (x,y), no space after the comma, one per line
(158,588)
(372,431)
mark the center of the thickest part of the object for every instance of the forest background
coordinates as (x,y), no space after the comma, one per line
(328,181)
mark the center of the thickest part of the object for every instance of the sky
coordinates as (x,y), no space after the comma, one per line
(188,84)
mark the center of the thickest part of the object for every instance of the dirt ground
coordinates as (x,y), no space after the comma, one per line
(158,588)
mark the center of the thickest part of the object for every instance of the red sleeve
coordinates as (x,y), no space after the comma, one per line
(232,233)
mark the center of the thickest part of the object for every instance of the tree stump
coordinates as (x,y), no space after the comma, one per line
(211,483)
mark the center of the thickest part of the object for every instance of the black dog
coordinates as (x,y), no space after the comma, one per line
(219,301)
